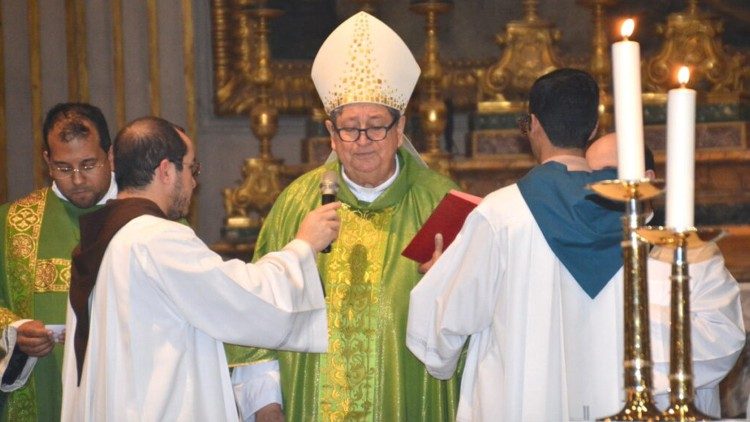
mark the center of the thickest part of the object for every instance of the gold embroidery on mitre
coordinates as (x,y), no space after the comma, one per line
(363,81)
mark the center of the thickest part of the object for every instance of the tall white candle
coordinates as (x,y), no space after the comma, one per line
(626,68)
(680,154)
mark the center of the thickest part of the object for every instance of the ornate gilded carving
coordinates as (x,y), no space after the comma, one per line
(246,204)
(292,90)
(691,38)
(528,54)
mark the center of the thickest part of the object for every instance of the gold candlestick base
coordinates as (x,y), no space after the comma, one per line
(685,411)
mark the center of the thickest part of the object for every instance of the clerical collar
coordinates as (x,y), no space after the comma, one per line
(111,192)
(572,162)
(366,194)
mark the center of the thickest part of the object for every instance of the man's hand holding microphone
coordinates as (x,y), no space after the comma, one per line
(321,226)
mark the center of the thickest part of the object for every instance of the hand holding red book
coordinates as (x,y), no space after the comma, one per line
(447,219)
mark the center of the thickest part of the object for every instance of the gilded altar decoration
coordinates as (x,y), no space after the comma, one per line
(599,64)
(528,54)
(692,38)
(247,204)
(432,108)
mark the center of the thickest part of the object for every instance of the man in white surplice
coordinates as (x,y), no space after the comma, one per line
(534,278)
(150,304)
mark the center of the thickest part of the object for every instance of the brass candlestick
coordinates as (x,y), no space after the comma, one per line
(681,391)
(639,403)
(600,63)
(247,204)
(432,109)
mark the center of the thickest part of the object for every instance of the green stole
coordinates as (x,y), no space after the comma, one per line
(36,239)
(367,374)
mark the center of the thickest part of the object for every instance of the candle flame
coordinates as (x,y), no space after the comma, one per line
(627,28)
(683,75)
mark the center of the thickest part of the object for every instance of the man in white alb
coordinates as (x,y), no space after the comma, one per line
(534,281)
(150,304)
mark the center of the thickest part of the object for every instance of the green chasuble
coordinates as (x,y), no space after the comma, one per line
(367,374)
(37,235)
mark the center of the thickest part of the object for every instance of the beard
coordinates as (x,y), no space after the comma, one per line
(84,200)
(179,203)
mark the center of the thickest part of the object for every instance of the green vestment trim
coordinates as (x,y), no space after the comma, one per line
(37,236)
(353,272)
(24,223)
(368,373)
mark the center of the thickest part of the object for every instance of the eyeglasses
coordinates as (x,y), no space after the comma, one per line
(65,171)
(524,124)
(195,167)
(375,133)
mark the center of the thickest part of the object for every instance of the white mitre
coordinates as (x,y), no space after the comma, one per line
(364,61)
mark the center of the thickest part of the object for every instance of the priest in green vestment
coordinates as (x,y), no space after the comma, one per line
(37,235)
(364,74)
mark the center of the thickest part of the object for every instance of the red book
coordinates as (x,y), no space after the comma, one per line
(447,218)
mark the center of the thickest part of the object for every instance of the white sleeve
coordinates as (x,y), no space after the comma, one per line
(8,344)
(276,303)
(717,329)
(456,298)
(256,386)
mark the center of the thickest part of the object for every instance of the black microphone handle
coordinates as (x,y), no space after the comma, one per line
(327,198)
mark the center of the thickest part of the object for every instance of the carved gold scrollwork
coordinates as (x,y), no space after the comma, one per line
(528,54)
(246,204)
(692,38)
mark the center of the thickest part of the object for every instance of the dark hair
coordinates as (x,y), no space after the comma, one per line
(648,156)
(71,114)
(336,112)
(141,146)
(565,102)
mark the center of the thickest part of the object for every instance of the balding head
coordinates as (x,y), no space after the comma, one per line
(603,152)
(141,146)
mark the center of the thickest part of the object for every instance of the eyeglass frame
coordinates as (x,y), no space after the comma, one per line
(195,167)
(68,172)
(365,130)
(524,124)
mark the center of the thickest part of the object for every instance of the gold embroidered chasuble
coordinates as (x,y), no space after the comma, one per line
(367,374)
(37,236)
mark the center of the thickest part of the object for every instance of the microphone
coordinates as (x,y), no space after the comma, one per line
(329,186)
